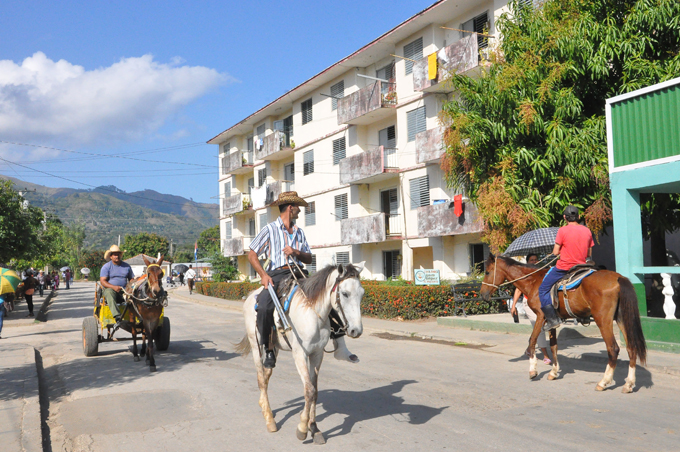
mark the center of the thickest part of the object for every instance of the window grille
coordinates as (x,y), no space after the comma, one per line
(479,24)
(308,162)
(385,73)
(391,264)
(416,121)
(341,207)
(306,111)
(261,177)
(337,91)
(227,230)
(310,214)
(413,51)
(339,150)
(311,268)
(420,192)
(289,172)
(342,257)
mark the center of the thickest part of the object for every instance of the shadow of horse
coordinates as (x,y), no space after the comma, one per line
(374,403)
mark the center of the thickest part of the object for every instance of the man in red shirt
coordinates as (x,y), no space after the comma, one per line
(574,245)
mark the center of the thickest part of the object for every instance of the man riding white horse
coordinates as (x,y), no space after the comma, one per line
(285,245)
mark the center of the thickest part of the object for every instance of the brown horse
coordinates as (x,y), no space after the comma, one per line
(604,295)
(148,298)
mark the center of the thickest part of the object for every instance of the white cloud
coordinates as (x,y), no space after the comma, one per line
(44,100)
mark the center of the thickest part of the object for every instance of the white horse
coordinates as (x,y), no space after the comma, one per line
(335,287)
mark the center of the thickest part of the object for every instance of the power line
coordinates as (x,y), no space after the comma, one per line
(106,189)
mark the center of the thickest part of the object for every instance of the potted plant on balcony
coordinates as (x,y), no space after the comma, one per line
(390,97)
(247,203)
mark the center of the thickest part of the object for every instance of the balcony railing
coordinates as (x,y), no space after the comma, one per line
(368,229)
(430,145)
(268,193)
(393,224)
(275,146)
(232,247)
(232,204)
(439,220)
(368,167)
(369,104)
(459,57)
(237,162)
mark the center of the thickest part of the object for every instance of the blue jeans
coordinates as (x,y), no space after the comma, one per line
(553,275)
(2,314)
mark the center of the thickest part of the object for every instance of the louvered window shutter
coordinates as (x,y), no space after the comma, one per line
(308,162)
(227,229)
(263,220)
(337,91)
(312,267)
(261,176)
(420,192)
(341,207)
(342,258)
(480,26)
(416,122)
(394,202)
(289,172)
(338,150)
(310,214)
(307,111)
(413,51)
(396,267)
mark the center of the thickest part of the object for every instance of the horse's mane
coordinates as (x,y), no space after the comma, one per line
(315,286)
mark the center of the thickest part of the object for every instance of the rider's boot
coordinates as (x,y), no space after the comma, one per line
(551,319)
(341,352)
(269,361)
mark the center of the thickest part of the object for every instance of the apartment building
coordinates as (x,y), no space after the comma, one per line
(361,143)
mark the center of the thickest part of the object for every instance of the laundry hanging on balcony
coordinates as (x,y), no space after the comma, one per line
(458,205)
(432,66)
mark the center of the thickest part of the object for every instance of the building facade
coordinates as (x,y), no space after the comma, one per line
(361,142)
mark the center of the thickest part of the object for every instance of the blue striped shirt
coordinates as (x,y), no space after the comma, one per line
(273,238)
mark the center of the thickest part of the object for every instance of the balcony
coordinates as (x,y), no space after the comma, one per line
(237,203)
(394,225)
(439,220)
(268,193)
(430,145)
(238,162)
(369,167)
(371,103)
(276,146)
(457,58)
(368,229)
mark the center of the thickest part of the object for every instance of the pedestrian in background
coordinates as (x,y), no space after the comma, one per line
(55,280)
(181,279)
(41,282)
(3,311)
(190,275)
(30,283)
(67,278)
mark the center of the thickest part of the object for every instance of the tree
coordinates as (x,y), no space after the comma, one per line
(527,137)
(145,243)
(21,226)
(94,260)
(209,242)
(223,268)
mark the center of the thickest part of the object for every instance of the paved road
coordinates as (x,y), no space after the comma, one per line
(403,396)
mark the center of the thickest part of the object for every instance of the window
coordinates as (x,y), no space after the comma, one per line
(341,207)
(308,162)
(413,51)
(289,172)
(227,189)
(478,254)
(226,148)
(416,121)
(338,150)
(385,73)
(278,125)
(261,176)
(312,267)
(227,230)
(260,131)
(388,137)
(306,111)
(310,214)
(392,264)
(342,257)
(251,227)
(250,144)
(263,220)
(479,24)
(420,192)
(338,92)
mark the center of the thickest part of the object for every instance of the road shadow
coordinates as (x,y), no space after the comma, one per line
(359,406)
(13,380)
(597,362)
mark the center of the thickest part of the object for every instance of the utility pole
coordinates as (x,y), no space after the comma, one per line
(119,240)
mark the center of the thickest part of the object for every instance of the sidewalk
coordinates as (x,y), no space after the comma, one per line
(19,316)
(496,333)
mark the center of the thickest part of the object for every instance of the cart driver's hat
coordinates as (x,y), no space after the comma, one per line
(113,249)
(290,197)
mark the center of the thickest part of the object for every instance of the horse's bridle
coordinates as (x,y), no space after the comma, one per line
(517,279)
(160,300)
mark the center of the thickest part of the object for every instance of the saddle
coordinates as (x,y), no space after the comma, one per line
(287,288)
(571,281)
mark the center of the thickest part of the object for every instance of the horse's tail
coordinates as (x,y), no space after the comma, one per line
(243,347)
(628,316)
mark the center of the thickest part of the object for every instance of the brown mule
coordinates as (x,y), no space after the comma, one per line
(148,298)
(604,295)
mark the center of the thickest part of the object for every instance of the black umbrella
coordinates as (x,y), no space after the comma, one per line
(180,268)
(538,241)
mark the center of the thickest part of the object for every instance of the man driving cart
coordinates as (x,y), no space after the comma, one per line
(114,276)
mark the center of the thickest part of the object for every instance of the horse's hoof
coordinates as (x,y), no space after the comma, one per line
(599,388)
(271,427)
(533,375)
(552,377)
(137,359)
(319,439)
(300,435)
(627,389)
(152,368)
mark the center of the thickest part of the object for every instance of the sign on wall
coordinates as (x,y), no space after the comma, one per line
(426,277)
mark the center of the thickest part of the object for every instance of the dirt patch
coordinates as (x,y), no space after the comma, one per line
(397,337)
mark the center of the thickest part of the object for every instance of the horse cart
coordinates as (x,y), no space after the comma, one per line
(100,326)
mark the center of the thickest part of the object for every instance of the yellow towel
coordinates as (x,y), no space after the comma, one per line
(432,66)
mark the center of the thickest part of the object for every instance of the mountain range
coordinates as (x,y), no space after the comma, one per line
(108,211)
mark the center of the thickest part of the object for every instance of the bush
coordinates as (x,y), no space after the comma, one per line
(228,291)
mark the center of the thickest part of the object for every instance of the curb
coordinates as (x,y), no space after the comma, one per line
(565,332)
(23,362)
(41,316)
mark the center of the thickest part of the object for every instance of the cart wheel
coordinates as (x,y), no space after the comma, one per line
(90,336)
(163,335)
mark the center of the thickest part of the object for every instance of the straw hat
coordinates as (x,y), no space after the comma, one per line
(290,197)
(113,249)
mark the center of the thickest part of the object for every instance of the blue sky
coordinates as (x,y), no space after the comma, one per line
(136,78)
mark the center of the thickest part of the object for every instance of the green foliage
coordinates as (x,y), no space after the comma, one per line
(223,268)
(94,260)
(21,227)
(183,255)
(527,137)
(145,243)
(209,242)
(227,291)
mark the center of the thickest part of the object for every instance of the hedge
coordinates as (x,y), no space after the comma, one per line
(387,302)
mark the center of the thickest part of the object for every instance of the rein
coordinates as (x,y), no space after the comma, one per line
(148,301)
(517,279)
